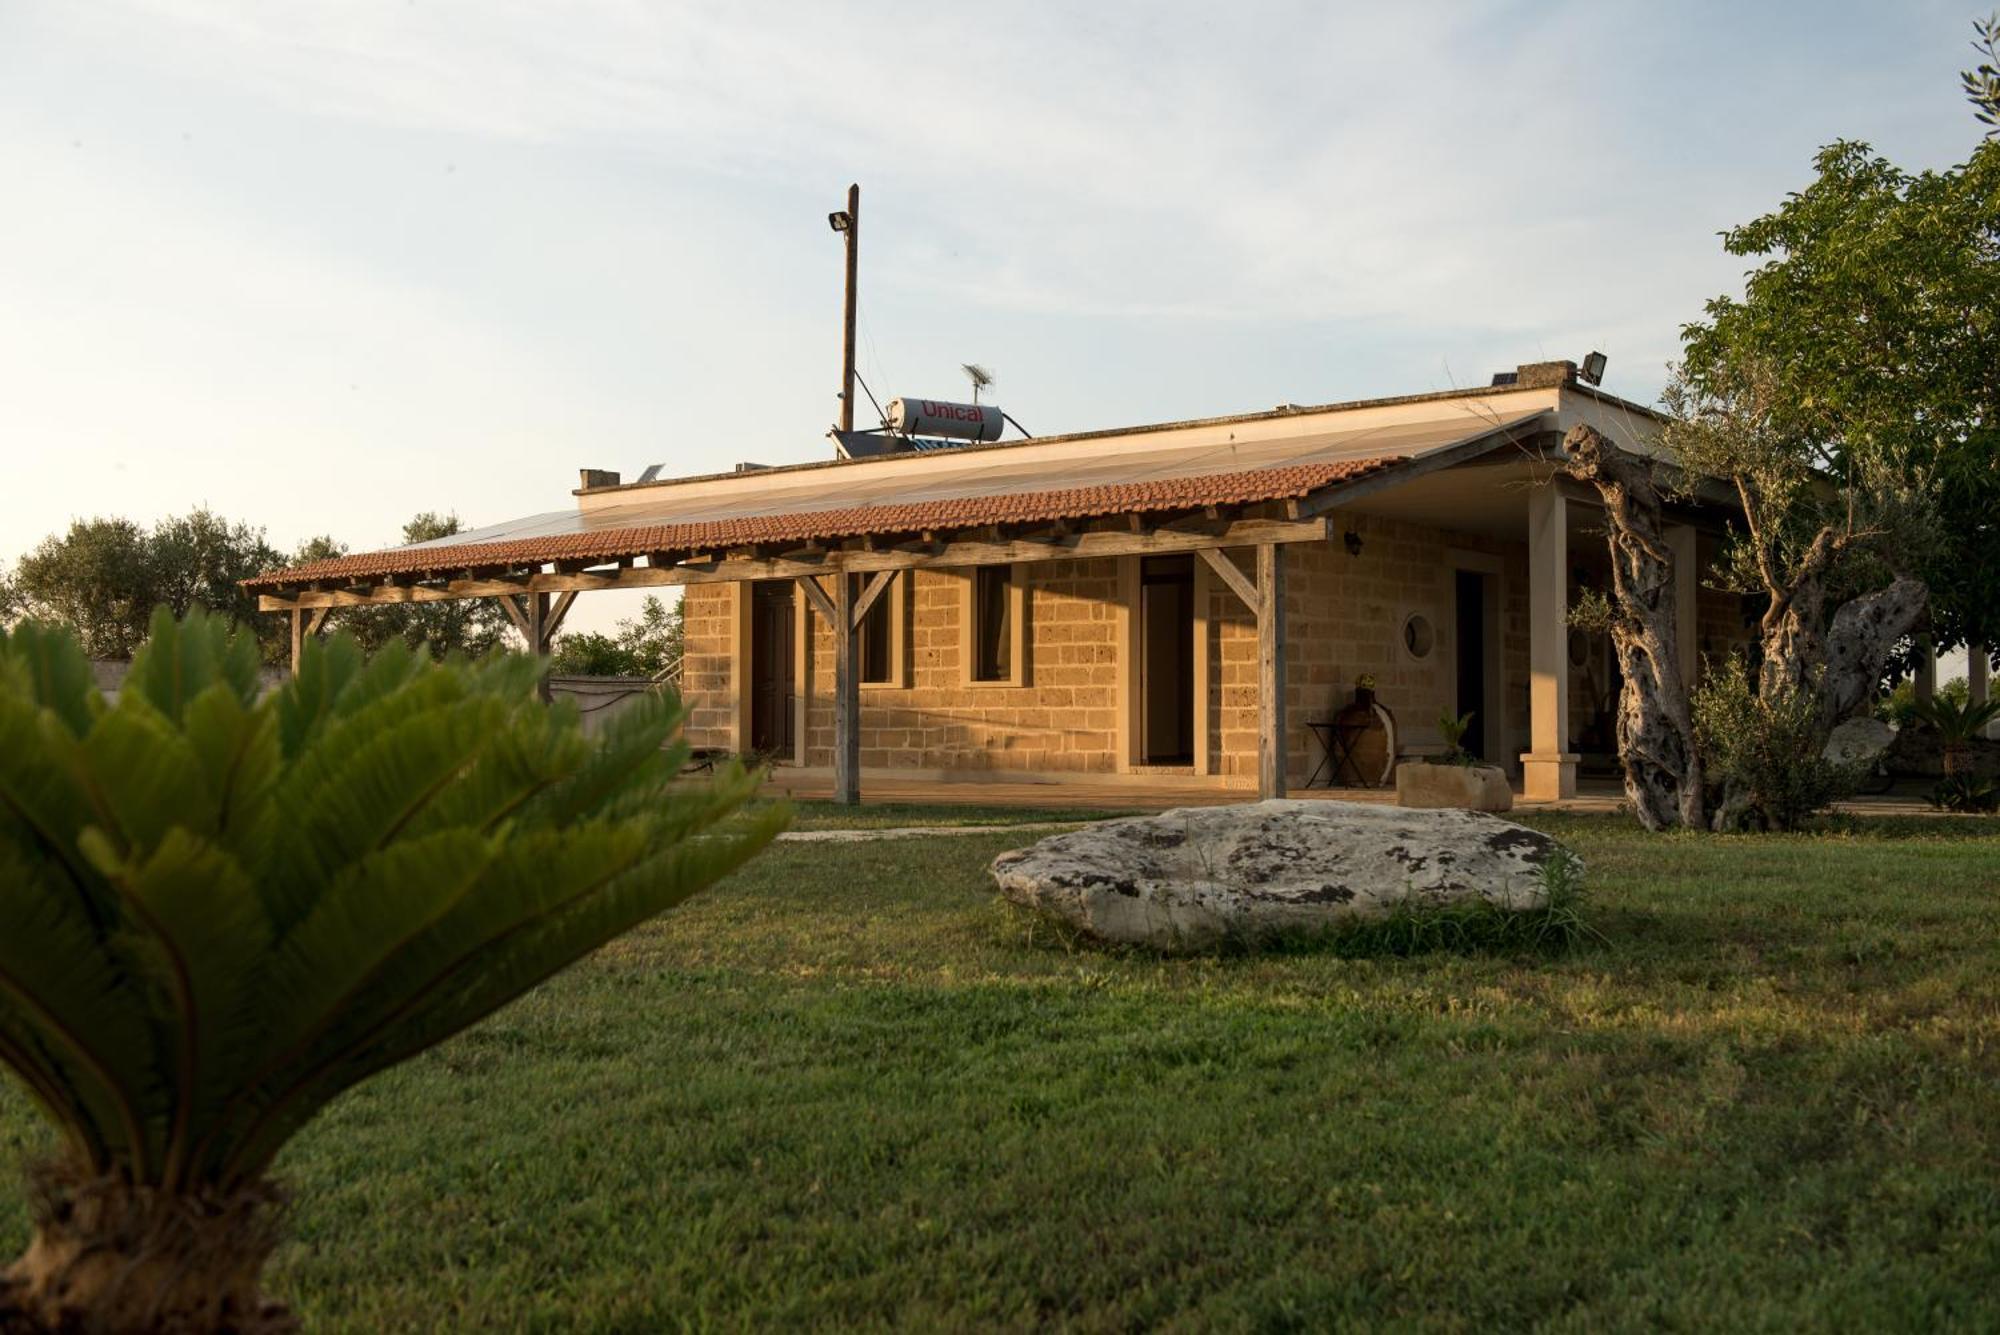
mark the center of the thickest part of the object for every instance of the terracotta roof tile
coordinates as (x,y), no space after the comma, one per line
(1239,488)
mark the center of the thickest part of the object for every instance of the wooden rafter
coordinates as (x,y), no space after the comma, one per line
(710,568)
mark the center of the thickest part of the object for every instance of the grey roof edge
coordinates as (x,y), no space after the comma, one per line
(1390,401)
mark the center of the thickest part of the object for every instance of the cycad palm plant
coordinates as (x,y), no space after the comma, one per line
(1956,723)
(217,912)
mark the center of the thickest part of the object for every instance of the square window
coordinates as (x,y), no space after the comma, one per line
(992,623)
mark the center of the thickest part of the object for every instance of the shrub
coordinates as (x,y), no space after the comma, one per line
(1900,705)
(222,911)
(1767,750)
(1966,793)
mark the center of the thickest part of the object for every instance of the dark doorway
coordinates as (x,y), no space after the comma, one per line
(1166,660)
(1471,642)
(771,682)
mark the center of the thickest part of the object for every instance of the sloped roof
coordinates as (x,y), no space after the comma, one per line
(1027,483)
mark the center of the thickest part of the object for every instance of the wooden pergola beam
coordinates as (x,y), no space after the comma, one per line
(705,568)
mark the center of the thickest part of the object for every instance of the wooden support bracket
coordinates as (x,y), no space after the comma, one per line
(1228,572)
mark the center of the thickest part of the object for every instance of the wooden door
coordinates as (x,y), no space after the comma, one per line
(771,676)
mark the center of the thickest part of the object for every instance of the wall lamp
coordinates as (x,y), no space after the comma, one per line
(1352,541)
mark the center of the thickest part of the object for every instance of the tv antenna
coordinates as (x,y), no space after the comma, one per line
(980,377)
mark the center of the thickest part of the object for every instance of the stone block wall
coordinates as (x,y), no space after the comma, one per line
(705,666)
(1062,718)
(1345,616)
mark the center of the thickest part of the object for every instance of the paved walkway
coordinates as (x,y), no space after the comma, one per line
(1153,792)
(863,834)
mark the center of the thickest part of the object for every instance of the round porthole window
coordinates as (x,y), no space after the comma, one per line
(1579,648)
(1419,636)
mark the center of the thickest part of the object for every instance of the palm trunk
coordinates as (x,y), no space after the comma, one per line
(1663,772)
(109,1256)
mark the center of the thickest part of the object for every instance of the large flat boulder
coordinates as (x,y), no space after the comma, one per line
(1199,876)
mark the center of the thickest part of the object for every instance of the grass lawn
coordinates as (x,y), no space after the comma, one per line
(847,1088)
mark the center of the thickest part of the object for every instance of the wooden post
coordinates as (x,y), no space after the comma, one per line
(853,238)
(298,638)
(1926,682)
(538,639)
(1271,747)
(846,696)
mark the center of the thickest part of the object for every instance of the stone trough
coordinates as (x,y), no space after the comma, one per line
(1199,876)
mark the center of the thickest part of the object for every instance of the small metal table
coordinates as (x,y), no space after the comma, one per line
(1336,741)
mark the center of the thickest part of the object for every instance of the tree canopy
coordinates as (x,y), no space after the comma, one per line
(104,576)
(1869,337)
(642,647)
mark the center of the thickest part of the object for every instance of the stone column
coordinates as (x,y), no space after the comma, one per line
(1687,582)
(1978,668)
(1548,771)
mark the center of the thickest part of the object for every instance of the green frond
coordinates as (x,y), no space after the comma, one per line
(222,911)
(183,658)
(56,674)
(304,703)
(67,1003)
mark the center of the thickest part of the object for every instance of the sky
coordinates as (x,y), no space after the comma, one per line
(323,266)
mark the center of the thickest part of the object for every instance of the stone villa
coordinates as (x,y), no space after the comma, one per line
(1186,598)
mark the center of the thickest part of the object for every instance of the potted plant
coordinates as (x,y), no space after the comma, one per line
(1455,778)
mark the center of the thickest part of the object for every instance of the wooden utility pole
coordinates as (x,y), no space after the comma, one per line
(852,233)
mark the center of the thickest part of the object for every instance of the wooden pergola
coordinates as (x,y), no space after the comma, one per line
(537,593)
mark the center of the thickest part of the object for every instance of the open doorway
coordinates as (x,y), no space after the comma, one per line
(1477,661)
(1166,660)
(771,675)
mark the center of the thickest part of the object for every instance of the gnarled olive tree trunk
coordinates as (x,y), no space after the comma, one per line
(1655,722)
(1858,643)
(1841,659)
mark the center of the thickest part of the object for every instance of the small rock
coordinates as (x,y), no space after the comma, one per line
(1191,878)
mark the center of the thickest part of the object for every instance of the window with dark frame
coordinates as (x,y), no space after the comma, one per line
(876,644)
(992,623)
